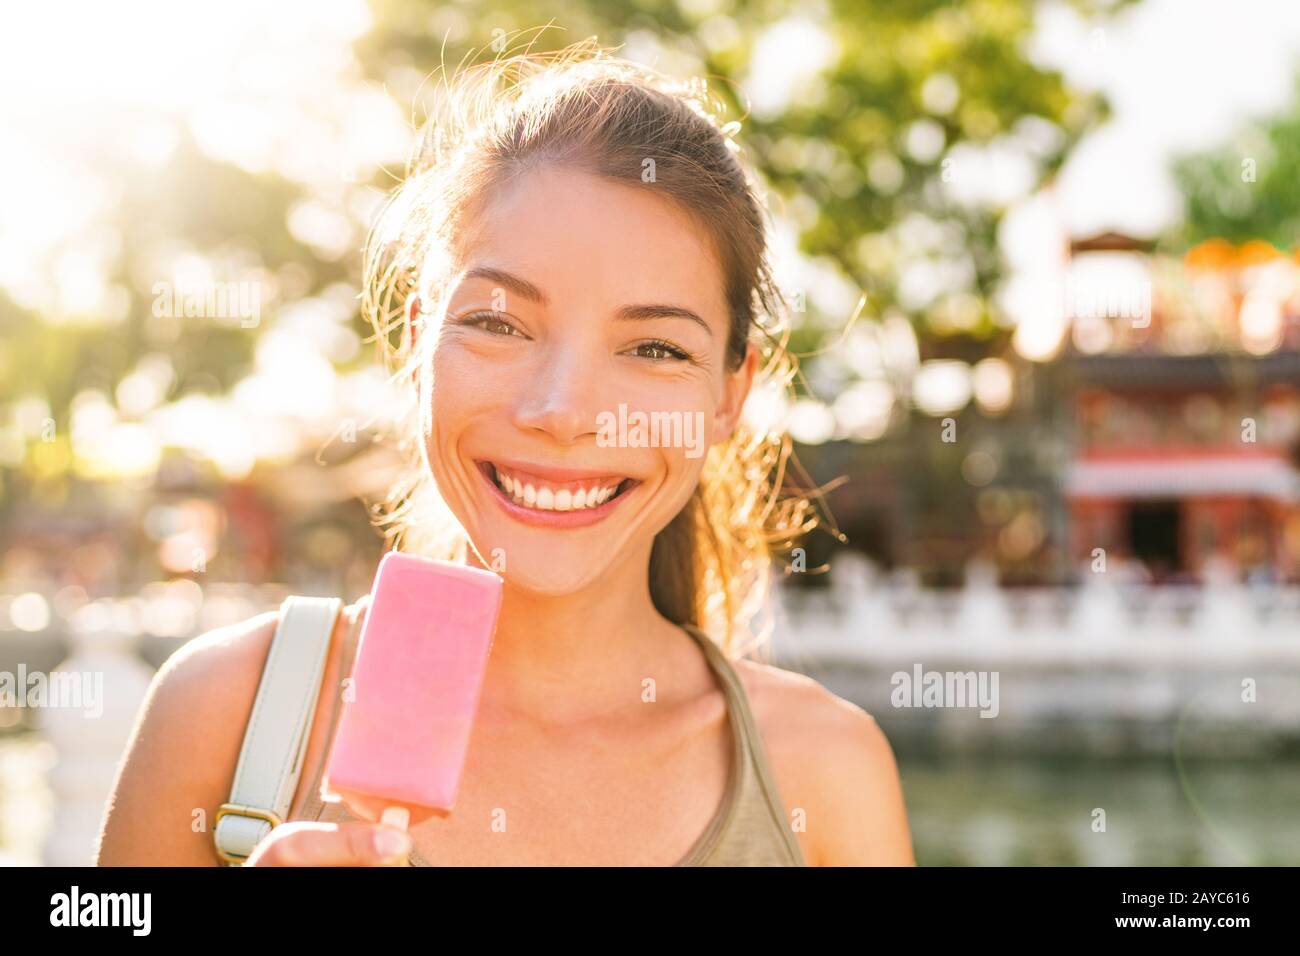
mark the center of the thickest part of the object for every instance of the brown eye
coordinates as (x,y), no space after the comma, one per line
(490,322)
(660,350)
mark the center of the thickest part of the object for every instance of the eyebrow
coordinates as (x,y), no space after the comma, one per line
(640,312)
(512,282)
(630,313)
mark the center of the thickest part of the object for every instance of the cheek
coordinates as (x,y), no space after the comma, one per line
(459,386)
(691,406)
(688,468)
(451,402)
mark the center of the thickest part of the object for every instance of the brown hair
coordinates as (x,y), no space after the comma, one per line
(583,107)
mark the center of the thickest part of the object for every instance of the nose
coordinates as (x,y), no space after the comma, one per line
(559,397)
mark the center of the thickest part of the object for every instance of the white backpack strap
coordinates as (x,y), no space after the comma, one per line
(279,725)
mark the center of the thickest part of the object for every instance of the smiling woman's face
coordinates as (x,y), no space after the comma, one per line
(575,295)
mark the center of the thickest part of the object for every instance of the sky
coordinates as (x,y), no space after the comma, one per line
(1180,75)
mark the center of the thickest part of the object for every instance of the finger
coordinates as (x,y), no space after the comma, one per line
(329,844)
(370,809)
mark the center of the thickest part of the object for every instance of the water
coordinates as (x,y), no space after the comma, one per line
(1038,811)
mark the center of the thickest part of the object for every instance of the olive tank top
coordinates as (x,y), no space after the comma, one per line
(750,826)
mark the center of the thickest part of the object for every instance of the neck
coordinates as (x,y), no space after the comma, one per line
(564,658)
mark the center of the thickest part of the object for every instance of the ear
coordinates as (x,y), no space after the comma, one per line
(735,390)
(411,332)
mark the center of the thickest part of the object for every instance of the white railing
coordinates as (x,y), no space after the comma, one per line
(865,615)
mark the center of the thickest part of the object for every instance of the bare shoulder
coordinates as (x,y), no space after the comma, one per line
(180,761)
(831,759)
(183,748)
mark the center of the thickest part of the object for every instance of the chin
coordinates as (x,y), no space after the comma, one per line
(552,572)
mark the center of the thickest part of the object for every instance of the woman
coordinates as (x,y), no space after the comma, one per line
(575,243)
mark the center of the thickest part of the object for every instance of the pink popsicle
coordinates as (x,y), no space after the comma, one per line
(405,727)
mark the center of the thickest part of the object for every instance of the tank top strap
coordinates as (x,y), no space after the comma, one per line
(757,823)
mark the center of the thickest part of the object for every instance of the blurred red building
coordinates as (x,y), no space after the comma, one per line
(1186,410)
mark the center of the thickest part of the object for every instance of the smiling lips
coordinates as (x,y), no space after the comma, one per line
(559,492)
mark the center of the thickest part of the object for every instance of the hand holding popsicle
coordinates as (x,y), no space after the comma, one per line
(330,844)
(404,730)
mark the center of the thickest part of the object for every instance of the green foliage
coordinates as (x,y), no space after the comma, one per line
(1247,188)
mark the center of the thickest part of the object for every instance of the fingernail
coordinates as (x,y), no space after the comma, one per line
(392,844)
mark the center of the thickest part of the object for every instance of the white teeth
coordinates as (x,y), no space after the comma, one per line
(548,499)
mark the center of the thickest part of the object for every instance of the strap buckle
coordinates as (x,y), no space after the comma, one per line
(235,809)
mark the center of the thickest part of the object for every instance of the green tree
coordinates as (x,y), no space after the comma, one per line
(1246,188)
